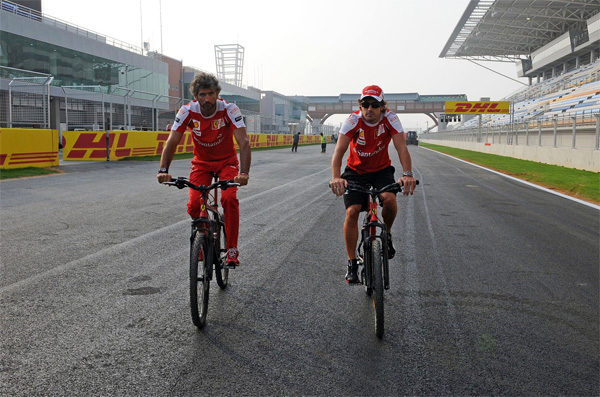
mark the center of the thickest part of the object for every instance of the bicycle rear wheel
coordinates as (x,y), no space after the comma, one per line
(200,263)
(220,254)
(377,262)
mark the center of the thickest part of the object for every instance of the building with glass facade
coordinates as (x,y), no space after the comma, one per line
(57,75)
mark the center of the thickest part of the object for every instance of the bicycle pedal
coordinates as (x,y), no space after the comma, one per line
(228,266)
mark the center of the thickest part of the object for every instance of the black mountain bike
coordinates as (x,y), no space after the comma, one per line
(208,246)
(373,251)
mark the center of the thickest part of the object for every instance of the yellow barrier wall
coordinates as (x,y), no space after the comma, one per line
(28,147)
(91,145)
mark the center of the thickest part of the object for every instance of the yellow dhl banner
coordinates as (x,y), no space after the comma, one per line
(93,145)
(477,107)
(24,147)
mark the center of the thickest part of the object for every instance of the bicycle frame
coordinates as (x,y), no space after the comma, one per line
(207,246)
(210,220)
(373,250)
(373,229)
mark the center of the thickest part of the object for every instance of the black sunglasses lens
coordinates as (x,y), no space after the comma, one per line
(374,105)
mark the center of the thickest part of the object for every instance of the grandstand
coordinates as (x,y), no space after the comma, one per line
(556,45)
(576,93)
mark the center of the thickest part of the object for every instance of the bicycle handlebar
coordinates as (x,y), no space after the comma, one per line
(182,182)
(393,188)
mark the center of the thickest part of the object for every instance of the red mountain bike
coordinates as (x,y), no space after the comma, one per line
(208,246)
(372,251)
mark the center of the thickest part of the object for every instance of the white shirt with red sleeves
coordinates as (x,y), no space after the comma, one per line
(213,135)
(369,142)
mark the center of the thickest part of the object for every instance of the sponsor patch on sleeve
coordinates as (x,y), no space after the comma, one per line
(349,124)
(238,118)
(395,122)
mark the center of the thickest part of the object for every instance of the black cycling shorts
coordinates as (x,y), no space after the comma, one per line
(377,179)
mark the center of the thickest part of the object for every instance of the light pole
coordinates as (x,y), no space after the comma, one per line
(160,15)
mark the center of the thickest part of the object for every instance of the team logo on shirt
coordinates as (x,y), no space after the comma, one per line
(361,137)
(381,130)
(196,128)
(216,124)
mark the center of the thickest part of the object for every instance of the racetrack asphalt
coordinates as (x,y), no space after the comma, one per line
(494,290)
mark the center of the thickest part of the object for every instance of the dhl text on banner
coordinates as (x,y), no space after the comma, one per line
(93,145)
(477,107)
(118,144)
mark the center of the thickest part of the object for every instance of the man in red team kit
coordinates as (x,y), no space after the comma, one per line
(368,132)
(213,123)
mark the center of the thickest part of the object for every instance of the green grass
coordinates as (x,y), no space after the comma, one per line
(578,183)
(29,171)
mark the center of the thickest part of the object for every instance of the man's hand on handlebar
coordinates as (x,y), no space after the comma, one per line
(338,186)
(242,179)
(409,184)
(164,177)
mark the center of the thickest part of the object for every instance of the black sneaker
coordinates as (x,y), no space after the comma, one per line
(391,250)
(352,274)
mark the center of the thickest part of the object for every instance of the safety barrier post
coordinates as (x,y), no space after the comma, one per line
(574,119)
(107,145)
(555,122)
(539,122)
(597,131)
(9,109)
(527,133)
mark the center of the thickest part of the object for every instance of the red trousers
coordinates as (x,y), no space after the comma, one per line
(201,174)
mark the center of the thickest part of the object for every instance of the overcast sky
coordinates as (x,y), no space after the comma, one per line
(307,47)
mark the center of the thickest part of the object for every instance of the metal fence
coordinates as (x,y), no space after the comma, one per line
(575,131)
(27,99)
(29,102)
(89,108)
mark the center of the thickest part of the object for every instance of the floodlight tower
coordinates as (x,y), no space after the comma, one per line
(230,63)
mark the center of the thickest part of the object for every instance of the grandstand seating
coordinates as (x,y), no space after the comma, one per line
(574,93)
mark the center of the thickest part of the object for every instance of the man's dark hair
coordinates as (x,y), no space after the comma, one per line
(204,81)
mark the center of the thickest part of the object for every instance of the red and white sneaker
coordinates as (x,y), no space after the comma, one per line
(232,257)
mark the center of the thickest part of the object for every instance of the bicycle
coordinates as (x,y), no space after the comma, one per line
(208,246)
(373,252)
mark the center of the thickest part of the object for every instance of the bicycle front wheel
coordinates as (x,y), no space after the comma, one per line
(200,263)
(220,253)
(377,277)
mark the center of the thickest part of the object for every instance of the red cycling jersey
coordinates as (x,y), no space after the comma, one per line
(213,135)
(369,142)
(214,152)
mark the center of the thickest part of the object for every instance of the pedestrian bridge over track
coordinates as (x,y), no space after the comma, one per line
(321,107)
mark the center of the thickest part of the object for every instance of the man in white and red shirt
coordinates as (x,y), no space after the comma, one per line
(368,133)
(213,124)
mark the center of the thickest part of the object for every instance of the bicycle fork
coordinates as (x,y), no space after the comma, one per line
(368,235)
(202,226)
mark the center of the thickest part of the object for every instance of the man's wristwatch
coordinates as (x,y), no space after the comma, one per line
(163,170)
(407,173)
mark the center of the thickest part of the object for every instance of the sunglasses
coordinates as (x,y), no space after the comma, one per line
(374,105)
